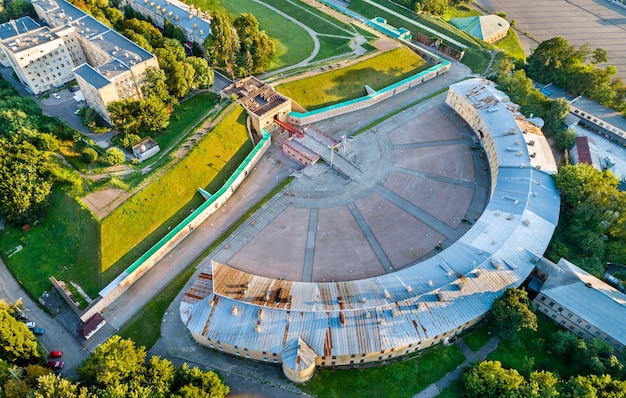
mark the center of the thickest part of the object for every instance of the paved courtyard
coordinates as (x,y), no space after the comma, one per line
(419,180)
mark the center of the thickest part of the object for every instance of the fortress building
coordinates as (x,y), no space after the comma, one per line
(302,325)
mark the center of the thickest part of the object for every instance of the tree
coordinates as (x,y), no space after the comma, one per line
(542,384)
(434,7)
(223,43)
(256,48)
(54,386)
(89,155)
(488,379)
(25,181)
(194,382)
(203,74)
(124,115)
(17,344)
(114,156)
(114,362)
(153,114)
(510,313)
(578,182)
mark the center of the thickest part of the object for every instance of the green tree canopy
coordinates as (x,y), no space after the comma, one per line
(578,182)
(488,379)
(17,344)
(510,313)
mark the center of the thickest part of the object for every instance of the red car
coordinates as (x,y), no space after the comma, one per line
(56,364)
(55,354)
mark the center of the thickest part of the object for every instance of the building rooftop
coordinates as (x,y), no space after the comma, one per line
(86,72)
(483,27)
(588,297)
(519,141)
(188,17)
(13,28)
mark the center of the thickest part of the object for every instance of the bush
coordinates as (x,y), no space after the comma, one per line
(129,140)
(89,155)
(114,156)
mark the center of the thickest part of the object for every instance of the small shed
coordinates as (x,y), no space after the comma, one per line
(145,149)
(91,326)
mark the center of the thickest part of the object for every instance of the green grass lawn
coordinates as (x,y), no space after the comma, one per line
(318,21)
(400,379)
(349,83)
(332,46)
(64,245)
(186,116)
(477,338)
(512,45)
(292,42)
(477,59)
(149,208)
(462,11)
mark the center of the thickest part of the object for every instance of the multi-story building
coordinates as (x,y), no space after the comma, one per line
(580,302)
(195,24)
(107,66)
(40,56)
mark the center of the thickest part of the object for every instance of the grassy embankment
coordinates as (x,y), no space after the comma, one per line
(146,216)
(348,83)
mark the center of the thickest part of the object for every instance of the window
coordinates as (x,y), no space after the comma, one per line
(569,315)
(551,303)
(543,298)
(578,321)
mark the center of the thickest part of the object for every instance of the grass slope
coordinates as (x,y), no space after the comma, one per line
(145,211)
(348,83)
(399,379)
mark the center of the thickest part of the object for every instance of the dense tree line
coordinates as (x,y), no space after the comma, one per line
(117,368)
(28,171)
(532,102)
(592,224)
(576,70)
(433,7)
(593,368)
(14,9)
(238,46)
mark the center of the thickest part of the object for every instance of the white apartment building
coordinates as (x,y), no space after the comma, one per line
(107,66)
(195,24)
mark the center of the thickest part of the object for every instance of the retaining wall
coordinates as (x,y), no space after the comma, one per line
(144,263)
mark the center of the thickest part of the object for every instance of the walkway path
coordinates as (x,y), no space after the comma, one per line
(470,357)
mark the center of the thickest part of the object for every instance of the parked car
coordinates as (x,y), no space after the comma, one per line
(21,316)
(77,111)
(56,364)
(55,95)
(39,331)
(55,354)
(30,324)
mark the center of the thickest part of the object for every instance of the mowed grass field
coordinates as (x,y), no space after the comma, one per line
(63,245)
(348,83)
(145,211)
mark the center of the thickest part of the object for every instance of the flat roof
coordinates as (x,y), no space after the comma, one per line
(180,14)
(89,74)
(13,28)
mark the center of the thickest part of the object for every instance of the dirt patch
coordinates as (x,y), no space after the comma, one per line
(103,202)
